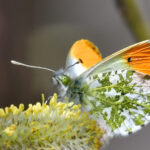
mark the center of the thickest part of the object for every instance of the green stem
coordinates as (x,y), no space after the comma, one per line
(132,16)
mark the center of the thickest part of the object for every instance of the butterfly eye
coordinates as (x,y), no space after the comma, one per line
(65,80)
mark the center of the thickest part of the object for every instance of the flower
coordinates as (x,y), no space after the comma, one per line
(57,125)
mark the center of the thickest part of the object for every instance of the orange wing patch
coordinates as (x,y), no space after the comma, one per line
(86,52)
(138,57)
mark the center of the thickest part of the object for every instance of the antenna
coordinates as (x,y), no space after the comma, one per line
(30,66)
(73,64)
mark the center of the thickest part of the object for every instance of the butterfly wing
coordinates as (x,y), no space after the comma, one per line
(135,57)
(86,53)
(117,90)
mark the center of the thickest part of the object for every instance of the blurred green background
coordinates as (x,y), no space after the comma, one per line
(41,33)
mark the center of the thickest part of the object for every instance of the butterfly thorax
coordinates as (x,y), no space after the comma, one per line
(68,86)
(76,91)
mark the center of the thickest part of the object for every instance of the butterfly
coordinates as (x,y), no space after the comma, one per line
(115,90)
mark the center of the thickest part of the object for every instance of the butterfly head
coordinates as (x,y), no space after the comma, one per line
(61,78)
(82,55)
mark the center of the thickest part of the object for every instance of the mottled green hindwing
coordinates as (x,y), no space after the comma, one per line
(121,97)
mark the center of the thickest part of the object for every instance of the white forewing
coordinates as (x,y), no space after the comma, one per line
(75,70)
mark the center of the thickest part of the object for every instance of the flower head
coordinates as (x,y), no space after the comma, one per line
(58,125)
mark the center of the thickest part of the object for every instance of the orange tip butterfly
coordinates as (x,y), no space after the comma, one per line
(115,90)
